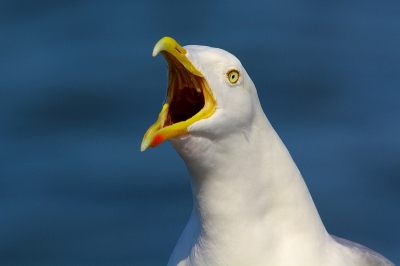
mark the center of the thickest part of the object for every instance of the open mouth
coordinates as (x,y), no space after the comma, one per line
(186,103)
(185,93)
(189,98)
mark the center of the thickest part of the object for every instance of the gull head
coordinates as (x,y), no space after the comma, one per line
(209,95)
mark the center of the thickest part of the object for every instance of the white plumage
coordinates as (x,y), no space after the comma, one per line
(251,204)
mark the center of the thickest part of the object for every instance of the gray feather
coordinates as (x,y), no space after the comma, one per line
(363,255)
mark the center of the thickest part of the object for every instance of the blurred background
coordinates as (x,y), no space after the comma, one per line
(79,88)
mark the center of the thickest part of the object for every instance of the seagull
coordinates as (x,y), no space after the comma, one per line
(251,204)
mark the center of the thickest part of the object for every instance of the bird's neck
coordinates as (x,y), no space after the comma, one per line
(247,189)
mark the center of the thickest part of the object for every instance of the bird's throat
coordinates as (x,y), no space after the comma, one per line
(246,189)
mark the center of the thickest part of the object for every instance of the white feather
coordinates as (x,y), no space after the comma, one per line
(251,204)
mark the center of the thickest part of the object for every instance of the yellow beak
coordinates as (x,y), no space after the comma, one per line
(189,98)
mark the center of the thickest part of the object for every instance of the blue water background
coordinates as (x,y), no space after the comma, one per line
(79,88)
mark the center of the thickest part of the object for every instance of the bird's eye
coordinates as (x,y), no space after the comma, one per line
(233,76)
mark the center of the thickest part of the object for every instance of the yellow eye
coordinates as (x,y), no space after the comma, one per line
(233,76)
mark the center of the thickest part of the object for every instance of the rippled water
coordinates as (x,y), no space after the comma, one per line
(79,88)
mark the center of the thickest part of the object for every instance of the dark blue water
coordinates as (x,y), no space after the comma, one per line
(79,88)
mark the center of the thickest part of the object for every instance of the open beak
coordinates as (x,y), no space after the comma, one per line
(189,98)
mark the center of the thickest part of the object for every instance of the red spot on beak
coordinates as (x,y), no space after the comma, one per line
(157,140)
